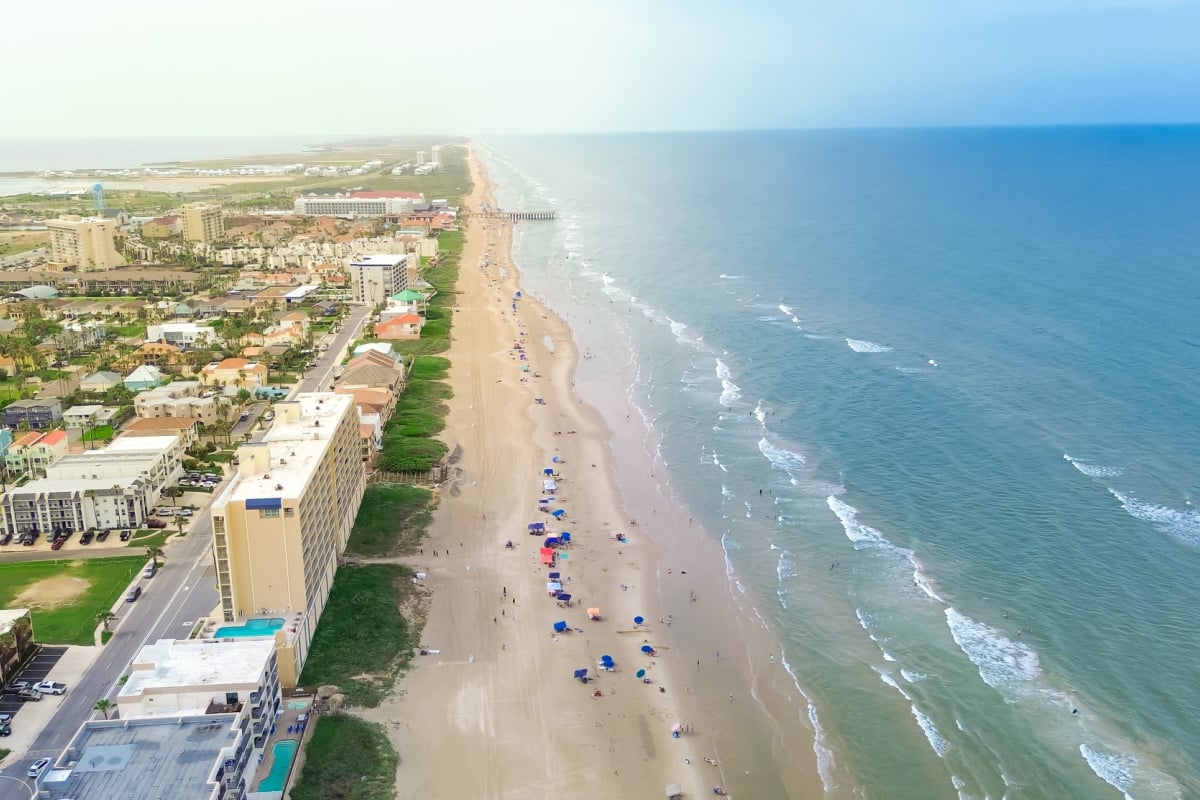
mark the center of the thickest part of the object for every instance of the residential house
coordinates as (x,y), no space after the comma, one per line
(100,382)
(89,416)
(405,326)
(235,373)
(379,347)
(32,452)
(178,400)
(162,227)
(184,335)
(162,357)
(373,370)
(186,428)
(39,414)
(144,377)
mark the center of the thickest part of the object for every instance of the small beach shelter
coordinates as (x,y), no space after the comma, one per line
(564,597)
(580,674)
(551,541)
(545,501)
(548,556)
(564,537)
(554,576)
(549,485)
(553,587)
(555,459)
(593,613)
(558,513)
(537,527)
(606,657)
(560,627)
(647,648)
(548,471)
(638,620)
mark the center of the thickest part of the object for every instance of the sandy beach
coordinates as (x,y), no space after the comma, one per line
(496,712)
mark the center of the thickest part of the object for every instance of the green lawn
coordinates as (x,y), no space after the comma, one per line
(363,641)
(151,537)
(391,521)
(72,621)
(98,434)
(347,759)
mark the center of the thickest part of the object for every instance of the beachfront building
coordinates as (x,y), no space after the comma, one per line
(359,204)
(283,521)
(86,243)
(377,277)
(202,222)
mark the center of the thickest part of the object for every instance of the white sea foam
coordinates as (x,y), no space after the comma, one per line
(912,677)
(1115,770)
(856,532)
(939,745)
(921,580)
(816,336)
(888,680)
(1182,526)
(888,656)
(782,459)
(1000,660)
(863,346)
(1094,470)
(825,759)
(730,391)
(726,491)
(760,413)
(725,277)
(608,279)
(786,567)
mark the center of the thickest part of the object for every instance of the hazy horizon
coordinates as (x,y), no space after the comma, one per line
(534,66)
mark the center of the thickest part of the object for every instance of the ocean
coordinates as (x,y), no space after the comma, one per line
(936,392)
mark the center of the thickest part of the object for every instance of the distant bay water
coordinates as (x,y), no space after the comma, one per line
(937,391)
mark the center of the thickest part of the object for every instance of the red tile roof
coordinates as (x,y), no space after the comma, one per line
(53,438)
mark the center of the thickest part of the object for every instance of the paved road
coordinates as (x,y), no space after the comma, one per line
(321,376)
(183,592)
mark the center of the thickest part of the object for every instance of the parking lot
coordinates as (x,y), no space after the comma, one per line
(38,670)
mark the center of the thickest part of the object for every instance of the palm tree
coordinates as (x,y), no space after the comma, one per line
(104,617)
(104,706)
(155,553)
(180,521)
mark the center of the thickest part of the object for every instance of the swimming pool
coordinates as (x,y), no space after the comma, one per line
(251,627)
(283,753)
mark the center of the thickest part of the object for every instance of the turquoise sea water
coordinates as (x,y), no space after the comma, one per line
(937,393)
(252,627)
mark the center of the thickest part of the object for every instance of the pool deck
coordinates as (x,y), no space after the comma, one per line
(281,727)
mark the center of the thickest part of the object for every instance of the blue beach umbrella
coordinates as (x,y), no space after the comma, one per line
(638,620)
(557,513)
(641,673)
(647,648)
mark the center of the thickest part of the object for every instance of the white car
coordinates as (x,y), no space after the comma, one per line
(185,512)
(50,687)
(38,767)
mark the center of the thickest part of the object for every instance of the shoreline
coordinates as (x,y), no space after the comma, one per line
(499,694)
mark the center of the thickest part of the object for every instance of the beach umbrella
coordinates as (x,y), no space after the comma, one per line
(548,471)
(647,648)
(554,459)
(638,620)
(606,658)
(559,627)
(641,673)
(557,513)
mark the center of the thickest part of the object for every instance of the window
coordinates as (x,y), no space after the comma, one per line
(218,524)
(268,513)
(289,512)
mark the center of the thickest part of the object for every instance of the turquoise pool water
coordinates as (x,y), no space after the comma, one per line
(251,627)
(283,753)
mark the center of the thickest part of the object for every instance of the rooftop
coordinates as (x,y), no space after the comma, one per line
(379,260)
(142,444)
(141,759)
(194,664)
(8,616)
(281,464)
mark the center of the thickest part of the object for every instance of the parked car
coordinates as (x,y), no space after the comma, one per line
(156,523)
(185,512)
(102,535)
(51,687)
(270,415)
(57,544)
(133,594)
(5,729)
(150,571)
(16,686)
(38,767)
(125,534)
(29,696)
(87,537)
(165,511)
(5,539)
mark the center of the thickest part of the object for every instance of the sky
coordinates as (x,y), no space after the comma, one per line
(269,67)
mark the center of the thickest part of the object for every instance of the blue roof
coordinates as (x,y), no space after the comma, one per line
(264,502)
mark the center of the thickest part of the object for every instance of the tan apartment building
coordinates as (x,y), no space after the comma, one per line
(86,242)
(202,222)
(285,518)
(235,373)
(177,400)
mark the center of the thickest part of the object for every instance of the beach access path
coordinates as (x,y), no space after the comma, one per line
(495,712)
